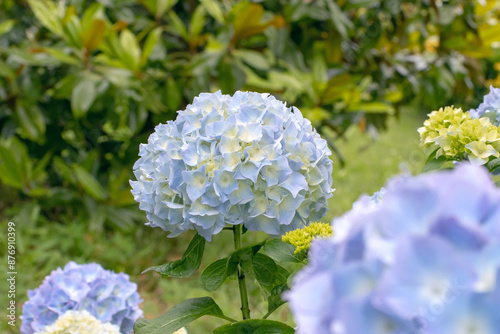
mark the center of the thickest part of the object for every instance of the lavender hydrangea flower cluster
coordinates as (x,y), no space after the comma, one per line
(491,103)
(426,259)
(243,159)
(107,296)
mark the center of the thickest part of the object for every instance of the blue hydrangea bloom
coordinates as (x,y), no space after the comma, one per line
(108,296)
(425,259)
(243,159)
(491,103)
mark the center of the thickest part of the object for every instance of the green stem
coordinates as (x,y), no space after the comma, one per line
(267,315)
(227,318)
(245,310)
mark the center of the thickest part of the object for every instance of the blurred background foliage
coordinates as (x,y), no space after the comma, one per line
(83,83)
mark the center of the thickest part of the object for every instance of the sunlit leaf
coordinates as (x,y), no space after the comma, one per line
(47,13)
(94,35)
(162,6)
(84,94)
(214,9)
(131,53)
(252,58)
(149,44)
(6,26)
(247,21)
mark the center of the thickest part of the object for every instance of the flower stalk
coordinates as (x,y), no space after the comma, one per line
(245,310)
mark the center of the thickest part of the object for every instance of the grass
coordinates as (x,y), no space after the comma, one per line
(44,245)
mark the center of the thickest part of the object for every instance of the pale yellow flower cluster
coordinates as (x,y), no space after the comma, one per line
(439,122)
(301,238)
(457,136)
(73,322)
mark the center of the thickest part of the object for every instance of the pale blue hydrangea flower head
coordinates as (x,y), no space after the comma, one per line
(242,159)
(425,259)
(491,103)
(107,296)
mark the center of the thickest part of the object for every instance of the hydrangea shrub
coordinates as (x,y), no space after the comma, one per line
(105,295)
(242,159)
(425,259)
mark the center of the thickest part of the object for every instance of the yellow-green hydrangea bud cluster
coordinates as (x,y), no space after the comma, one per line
(458,136)
(301,238)
(79,322)
(438,123)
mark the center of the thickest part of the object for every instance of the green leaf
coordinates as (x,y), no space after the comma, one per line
(11,163)
(149,44)
(65,171)
(274,301)
(253,58)
(225,77)
(247,20)
(64,87)
(493,165)
(265,269)
(6,26)
(84,94)
(73,31)
(94,35)
(176,26)
(434,163)
(244,255)
(281,276)
(89,183)
(162,6)
(255,326)
(6,71)
(338,18)
(215,274)
(372,107)
(31,120)
(132,53)
(179,316)
(40,166)
(214,9)
(93,12)
(174,95)
(281,251)
(187,265)
(197,22)
(46,12)
(319,68)
(62,57)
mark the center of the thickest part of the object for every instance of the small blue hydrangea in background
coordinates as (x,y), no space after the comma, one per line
(243,159)
(107,296)
(491,103)
(425,259)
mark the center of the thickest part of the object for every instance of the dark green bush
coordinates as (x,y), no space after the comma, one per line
(84,82)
